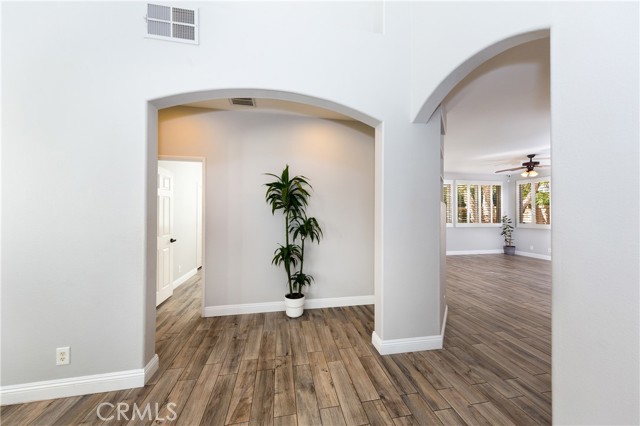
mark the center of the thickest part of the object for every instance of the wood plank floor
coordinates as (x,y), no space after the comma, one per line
(321,369)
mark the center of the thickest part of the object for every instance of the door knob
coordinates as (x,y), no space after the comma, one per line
(172,240)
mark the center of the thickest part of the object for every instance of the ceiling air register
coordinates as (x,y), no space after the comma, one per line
(172,23)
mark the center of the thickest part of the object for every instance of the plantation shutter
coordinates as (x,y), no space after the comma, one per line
(479,203)
(491,203)
(462,203)
(472,204)
(496,197)
(485,208)
(446,198)
(524,203)
(543,208)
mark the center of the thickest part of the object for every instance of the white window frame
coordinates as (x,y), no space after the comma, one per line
(479,183)
(533,201)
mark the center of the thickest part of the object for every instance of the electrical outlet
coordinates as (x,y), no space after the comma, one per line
(63,356)
(530,247)
(179,268)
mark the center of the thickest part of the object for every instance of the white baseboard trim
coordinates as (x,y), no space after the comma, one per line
(247,308)
(534,255)
(181,280)
(411,344)
(334,302)
(444,320)
(467,252)
(255,308)
(518,253)
(151,368)
(82,385)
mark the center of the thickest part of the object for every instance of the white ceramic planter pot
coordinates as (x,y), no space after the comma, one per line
(295,307)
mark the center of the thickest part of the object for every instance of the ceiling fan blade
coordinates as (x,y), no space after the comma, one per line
(510,170)
(543,165)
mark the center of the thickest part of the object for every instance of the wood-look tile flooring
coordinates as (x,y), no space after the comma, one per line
(321,369)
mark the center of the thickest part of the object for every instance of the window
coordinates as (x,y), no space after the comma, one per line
(478,203)
(447,189)
(534,203)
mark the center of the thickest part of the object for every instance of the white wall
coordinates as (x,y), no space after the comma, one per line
(63,128)
(594,104)
(338,159)
(187,175)
(451,39)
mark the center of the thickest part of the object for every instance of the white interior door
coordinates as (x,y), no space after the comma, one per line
(164,285)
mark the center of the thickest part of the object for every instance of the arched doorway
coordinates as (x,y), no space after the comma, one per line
(190,98)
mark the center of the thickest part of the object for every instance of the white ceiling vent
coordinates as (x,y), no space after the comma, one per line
(172,23)
(243,101)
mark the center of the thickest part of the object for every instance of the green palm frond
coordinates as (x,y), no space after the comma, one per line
(301,279)
(306,227)
(288,194)
(286,254)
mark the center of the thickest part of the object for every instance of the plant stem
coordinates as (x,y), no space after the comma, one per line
(287,261)
(301,263)
(302,255)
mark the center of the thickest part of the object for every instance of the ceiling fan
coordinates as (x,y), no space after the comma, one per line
(528,165)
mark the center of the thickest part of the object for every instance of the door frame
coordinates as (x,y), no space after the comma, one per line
(203,160)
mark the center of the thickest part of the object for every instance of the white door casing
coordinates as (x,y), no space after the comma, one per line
(164,283)
(199,225)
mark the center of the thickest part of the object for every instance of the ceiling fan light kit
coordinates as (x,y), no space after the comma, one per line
(529,167)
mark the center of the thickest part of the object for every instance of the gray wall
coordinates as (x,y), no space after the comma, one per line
(241,233)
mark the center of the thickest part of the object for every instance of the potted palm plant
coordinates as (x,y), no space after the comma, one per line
(507,231)
(291,195)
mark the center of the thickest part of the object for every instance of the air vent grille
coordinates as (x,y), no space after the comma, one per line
(172,23)
(159,28)
(185,16)
(155,11)
(184,32)
(243,101)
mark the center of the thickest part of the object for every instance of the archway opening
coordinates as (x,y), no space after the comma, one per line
(501,92)
(345,121)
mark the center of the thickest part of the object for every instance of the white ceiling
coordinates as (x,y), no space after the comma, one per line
(494,117)
(500,112)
